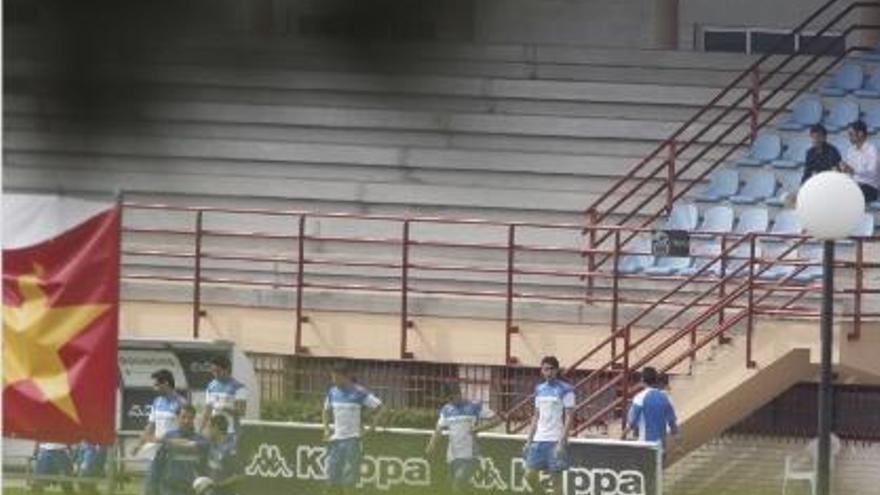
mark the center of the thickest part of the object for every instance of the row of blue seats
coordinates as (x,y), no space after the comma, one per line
(759,186)
(851,78)
(707,242)
(809,111)
(769,149)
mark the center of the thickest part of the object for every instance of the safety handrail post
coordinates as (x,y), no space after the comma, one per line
(750,324)
(197,276)
(670,175)
(722,290)
(509,327)
(755,108)
(590,237)
(856,332)
(615,288)
(300,282)
(405,322)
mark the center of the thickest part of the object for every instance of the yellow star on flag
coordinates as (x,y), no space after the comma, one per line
(34,334)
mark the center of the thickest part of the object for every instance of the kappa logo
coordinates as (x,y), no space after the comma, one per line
(268,462)
(488,476)
(580,481)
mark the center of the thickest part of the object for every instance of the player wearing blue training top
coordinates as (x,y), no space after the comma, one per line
(181,458)
(652,414)
(224,395)
(224,467)
(463,419)
(548,434)
(345,401)
(164,412)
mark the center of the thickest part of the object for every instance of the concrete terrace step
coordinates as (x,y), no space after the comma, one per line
(413,85)
(409,121)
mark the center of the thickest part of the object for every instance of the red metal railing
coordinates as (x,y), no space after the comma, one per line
(730,280)
(617,289)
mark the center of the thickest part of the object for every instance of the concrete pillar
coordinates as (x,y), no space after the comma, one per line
(665,25)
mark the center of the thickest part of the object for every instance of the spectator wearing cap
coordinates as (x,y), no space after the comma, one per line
(861,161)
(822,156)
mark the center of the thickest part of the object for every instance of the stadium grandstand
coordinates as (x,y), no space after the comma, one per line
(441,193)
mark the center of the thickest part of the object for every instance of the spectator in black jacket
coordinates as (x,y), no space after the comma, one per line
(822,156)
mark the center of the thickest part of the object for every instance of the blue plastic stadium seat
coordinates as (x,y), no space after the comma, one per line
(753,221)
(716,220)
(703,253)
(722,184)
(639,257)
(842,114)
(759,186)
(789,183)
(684,216)
(786,222)
(812,252)
(873,55)
(865,228)
(872,118)
(776,272)
(795,153)
(765,149)
(669,265)
(871,89)
(739,257)
(806,112)
(848,78)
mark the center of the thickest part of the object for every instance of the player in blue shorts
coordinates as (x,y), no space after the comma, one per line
(345,401)
(52,459)
(547,440)
(90,460)
(462,418)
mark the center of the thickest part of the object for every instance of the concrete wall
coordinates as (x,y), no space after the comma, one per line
(617,23)
(776,14)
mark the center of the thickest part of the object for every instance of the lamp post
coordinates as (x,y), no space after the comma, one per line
(829,205)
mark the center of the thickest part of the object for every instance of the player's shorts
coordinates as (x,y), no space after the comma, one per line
(91,465)
(461,471)
(344,462)
(541,456)
(55,462)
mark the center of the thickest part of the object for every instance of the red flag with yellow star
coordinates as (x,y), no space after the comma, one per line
(60,318)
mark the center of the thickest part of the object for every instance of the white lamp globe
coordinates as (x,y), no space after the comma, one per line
(830,205)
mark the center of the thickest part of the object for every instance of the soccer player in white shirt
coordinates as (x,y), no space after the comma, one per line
(548,434)
(462,418)
(224,396)
(345,402)
(164,412)
(861,161)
